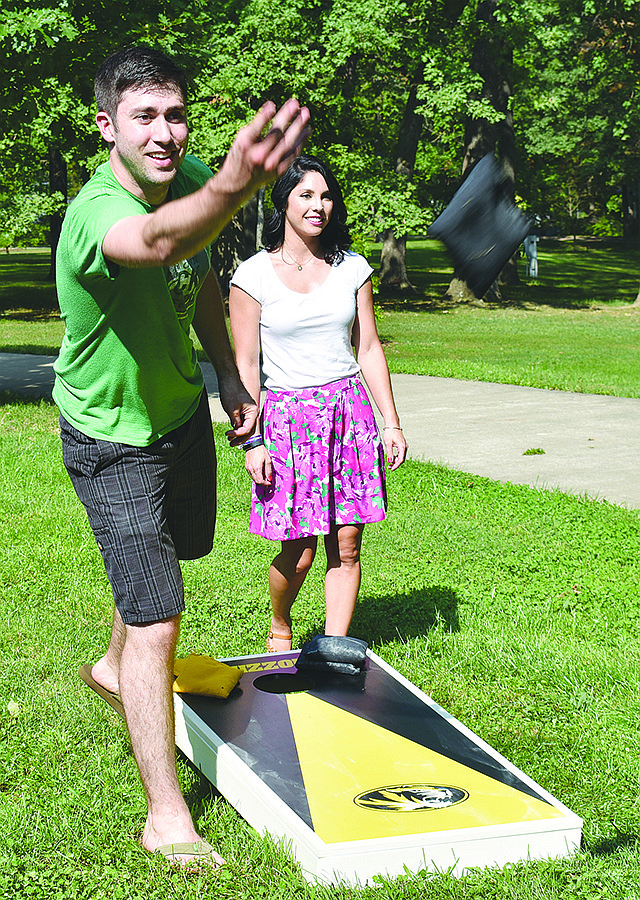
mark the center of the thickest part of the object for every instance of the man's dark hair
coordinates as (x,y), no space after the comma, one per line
(135,67)
(335,237)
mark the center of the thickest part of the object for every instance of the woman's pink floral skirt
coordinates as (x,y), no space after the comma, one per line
(328,462)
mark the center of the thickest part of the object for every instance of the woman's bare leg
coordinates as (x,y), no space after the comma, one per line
(342,581)
(286,576)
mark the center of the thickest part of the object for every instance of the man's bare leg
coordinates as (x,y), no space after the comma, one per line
(144,656)
(107,670)
(146,677)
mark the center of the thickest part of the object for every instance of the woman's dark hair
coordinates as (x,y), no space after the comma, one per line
(135,67)
(335,237)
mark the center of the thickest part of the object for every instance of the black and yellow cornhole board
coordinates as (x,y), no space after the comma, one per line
(366,775)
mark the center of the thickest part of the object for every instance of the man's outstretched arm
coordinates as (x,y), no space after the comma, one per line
(180,228)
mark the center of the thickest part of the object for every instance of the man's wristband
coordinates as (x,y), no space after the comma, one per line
(256,441)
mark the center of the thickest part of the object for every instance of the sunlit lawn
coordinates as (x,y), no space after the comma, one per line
(574,329)
(516,609)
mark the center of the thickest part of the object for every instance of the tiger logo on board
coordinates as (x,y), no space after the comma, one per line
(411,797)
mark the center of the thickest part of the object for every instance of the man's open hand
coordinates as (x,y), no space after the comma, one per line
(258,156)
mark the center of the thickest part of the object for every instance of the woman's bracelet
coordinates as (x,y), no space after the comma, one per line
(392,428)
(256,441)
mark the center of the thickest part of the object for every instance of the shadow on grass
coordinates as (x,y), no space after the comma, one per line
(32,314)
(200,788)
(31,302)
(15,398)
(580,275)
(622,841)
(429,298)
(25,284)
(382,619)
(31,349)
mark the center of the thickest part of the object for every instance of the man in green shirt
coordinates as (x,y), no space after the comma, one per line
(133,277)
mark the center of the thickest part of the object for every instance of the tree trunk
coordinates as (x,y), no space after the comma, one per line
(492,59)
(249,217)
(57,182)
(630,210)
(460,292)
(259,220)
(238,240)
(393,259)
(228,251)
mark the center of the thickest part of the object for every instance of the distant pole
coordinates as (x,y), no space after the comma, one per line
(531,252)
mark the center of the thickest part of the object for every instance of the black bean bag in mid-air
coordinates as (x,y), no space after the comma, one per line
(481,227)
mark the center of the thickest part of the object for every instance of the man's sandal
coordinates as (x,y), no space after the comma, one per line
(202,856)
(285,638)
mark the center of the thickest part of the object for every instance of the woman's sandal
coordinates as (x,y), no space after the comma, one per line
(285,638)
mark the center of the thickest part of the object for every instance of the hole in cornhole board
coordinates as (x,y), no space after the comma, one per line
(284,683)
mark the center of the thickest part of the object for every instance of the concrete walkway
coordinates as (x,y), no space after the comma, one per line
(591,443)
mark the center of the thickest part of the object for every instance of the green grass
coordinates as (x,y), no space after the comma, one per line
(516,609)
(24,281)
(574,329)
(29,316)
(594,273)
(590,351)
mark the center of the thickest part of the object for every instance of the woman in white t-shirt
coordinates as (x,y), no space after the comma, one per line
(301,307)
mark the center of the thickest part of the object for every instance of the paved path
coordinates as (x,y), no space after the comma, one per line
(591,443)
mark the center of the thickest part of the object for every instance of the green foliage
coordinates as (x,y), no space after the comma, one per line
(49,56)
(447,92)
(21,218)
(576,117)
(23,29)
(380,200)
(356,64)
(352,75)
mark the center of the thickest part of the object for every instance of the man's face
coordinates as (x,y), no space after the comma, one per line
(149,138)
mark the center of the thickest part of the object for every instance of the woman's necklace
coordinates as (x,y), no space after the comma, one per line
(294,261)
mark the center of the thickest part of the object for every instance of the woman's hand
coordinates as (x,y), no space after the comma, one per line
(395,446)
(257,462)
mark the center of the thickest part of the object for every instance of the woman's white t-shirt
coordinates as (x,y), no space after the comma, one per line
(305,338)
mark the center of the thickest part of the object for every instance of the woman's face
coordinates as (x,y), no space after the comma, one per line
(309,206)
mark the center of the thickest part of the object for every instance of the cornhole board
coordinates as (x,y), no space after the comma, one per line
(366,775)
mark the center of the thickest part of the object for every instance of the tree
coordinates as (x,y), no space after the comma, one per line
(577,114)
(429,29)
(50,55)
(405,96)
(487,39)
(352,77)
(28,35)
(20,217)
